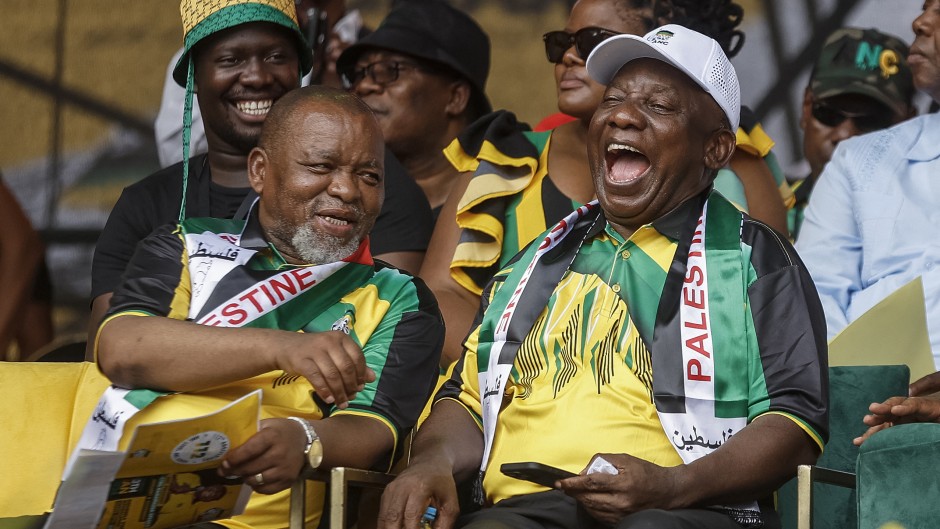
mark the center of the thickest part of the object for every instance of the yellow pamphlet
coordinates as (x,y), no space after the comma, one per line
(892,332)
(166,477)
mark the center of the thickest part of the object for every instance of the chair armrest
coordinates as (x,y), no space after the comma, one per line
(339,480)
(806,476)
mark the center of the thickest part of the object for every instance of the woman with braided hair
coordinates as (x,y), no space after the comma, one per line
(718,19)
(754,181)
(516,183)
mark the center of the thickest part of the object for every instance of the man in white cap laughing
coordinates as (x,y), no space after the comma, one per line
(657,359)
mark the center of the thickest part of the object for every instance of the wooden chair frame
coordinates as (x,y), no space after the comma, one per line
(807,475)
(338,481)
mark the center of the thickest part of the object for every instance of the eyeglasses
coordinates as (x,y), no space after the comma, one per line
(380,72)
(831,116)
(584,41)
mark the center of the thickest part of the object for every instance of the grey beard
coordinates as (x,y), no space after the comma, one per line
(319,248)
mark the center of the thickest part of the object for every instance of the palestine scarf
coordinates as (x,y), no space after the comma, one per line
(704,291)
(227,293)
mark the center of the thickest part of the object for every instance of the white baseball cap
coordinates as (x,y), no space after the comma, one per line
(696,55)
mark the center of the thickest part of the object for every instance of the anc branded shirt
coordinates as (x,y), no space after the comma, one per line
(391,315)
(581,382)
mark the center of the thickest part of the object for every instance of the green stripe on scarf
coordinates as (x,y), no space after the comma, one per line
(141,398)
(727,298)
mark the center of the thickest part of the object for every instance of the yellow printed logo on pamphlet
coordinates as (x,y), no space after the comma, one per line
(202,447)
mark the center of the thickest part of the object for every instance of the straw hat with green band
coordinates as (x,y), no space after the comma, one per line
(202,18)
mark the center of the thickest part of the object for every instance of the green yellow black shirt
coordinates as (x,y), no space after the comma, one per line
(392,316)
(581,383)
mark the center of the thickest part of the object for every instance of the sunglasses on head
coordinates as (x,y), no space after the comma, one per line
(831,116)
(584,41)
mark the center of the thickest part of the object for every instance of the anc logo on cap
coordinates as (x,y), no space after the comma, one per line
(661,37)
(870,56)
(864,62)
(888,62)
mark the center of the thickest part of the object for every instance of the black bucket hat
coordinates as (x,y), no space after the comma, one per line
(434,31)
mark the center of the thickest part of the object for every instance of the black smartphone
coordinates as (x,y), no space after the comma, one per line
(544,475)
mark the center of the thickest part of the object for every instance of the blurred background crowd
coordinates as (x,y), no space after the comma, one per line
(81,83)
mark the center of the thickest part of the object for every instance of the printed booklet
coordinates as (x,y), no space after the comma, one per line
(166,477)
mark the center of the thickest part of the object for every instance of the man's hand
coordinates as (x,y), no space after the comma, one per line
(331,361)
(926,385)
(900,410)
(638,485)
(275,454)
(420,485)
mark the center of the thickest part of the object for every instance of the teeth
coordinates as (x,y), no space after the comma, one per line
(620,147)
(336,221)
(255,108)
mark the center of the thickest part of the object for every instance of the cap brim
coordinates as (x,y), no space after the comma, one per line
(222,20)
(867,90)
(611,55)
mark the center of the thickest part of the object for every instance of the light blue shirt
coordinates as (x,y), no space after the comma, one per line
(873,223)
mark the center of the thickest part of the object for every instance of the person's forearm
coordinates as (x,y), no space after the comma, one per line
(20,253)
(99,307)
(17,278)
(458,307)
(166,354)
(763,455)
(760,190)
(353,441)
(449,437)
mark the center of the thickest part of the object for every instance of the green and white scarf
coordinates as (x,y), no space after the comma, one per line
(285,300)
(704,291)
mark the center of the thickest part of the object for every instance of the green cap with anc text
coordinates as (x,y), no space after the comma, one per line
(865,62)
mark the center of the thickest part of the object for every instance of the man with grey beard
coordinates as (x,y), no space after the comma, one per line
(343,348)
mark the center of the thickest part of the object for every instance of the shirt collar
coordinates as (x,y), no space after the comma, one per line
(669,224)
(252,235)
(925,146)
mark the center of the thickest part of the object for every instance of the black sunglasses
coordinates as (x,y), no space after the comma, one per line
(584,41)
(380,72)
(831,116)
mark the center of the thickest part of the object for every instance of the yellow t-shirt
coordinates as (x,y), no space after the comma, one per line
(575,374)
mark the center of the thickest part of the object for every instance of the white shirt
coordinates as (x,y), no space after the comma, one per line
(873,223)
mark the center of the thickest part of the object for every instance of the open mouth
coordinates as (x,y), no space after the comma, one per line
(625,163)
(259,107)
(336,221)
